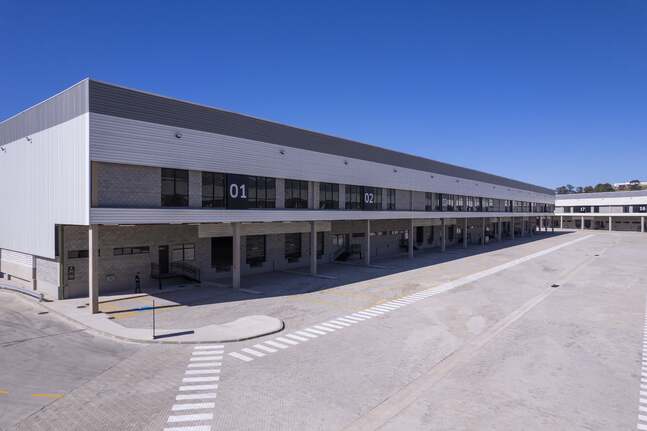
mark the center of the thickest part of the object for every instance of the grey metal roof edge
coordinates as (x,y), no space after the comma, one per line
(57,109)
(618,194)
(383,155)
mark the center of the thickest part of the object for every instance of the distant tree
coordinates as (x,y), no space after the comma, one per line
(634,185)
(579,189)
(589,189)
(561,190)
(603,187)
(570,188)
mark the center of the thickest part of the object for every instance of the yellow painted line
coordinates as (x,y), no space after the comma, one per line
(47,395)
(3,392)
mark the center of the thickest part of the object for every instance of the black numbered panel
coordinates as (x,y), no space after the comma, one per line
(237,191)
(640,208)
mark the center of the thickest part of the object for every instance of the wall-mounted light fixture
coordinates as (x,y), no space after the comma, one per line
(346,162)
(282,152)
(28,138)
(178,134)
(3,149)
(395,170)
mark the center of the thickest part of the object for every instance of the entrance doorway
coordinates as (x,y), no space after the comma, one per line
(163,259)
(420,235)
(222,253)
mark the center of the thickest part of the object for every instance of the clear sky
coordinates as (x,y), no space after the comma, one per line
(549,92)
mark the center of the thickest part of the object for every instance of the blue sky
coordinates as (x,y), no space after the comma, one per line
(549,92)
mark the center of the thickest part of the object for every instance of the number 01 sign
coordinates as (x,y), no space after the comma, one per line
(237,189)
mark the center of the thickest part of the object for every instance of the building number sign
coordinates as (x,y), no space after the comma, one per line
(237,191)
(369,198)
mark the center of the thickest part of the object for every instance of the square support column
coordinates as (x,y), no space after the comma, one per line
(235,266)
(642,224)
(93,268)
(411,239)
(499,229)
(483,231)
(465,234)
(313,248)
(610,224)
(367,254)
(581,222)
(443,235)
(561,222)
(511,227)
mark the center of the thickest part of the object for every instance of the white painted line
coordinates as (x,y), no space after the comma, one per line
(332,325)
(382,308)
(363,316)
(198,387)
(209,346)
(285,340)
(204,396)
(200,379)
(401,302)
(194,406)
(315,331)
(337,322)
(206,358)
(276,344)
(190,428)
(373,310)
(241,357)
(190,418)
(296,337)
(345,320)
(199,372)
(642,418)
(207,352)
(252,352)
(389,307)
(323,328)
(355,318)
(642,427)
(367,315)
(264,348)
(305,334)
(642,409)
(205,364)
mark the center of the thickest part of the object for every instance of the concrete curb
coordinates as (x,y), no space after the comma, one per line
(35,295)
(267,326)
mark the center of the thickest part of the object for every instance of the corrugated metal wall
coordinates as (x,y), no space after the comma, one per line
(44,182)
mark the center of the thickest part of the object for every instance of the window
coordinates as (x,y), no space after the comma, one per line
(353,197)
(437,199)
(626,209)
(262,192)
(213,190)
(596,209)
(338,240)
(175,187)
(183,252)
(292,246)
(429,201)
(121,251)
(390,199)
(459,203)
(77,254)
(296,194)
(328,196)
(255,250)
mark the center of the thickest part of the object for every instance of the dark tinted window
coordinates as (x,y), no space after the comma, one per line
(175,187)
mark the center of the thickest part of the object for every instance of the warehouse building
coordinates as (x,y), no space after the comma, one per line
(622,211)
(102,184)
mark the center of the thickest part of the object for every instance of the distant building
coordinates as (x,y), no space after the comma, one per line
(627,184)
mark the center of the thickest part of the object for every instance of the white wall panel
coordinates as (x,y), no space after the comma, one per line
(42,183)
(592,201)
(119,140)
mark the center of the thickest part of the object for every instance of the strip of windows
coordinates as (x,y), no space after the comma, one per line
(262,192)
(183,252)
(363,198)
(255,250)
(125,251)
(390,199)
(296,194)
(328,196)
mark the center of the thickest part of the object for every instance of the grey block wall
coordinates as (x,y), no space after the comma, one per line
(126,186)
(402,200)
(195,189)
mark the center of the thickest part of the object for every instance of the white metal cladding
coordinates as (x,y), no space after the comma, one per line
(188,215)
(44,182)
(224,229)
(594,201)
(17,258)
(120,140)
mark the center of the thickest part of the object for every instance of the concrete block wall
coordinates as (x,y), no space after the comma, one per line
(47,276)
(402,200)
(195,189)
(126,186)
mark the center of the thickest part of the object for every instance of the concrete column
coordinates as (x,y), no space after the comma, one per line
(235,266)
(531,226)
(499,230)
(582,222)
(541,222)
(465,234)
(411,239)
(367,254)
(511,227)
(642,224)
(443,235)
(610,224)
(313,248)
(561,222)
(483,231)
(93,267)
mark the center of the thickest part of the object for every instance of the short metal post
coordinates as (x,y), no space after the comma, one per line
(153,319)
